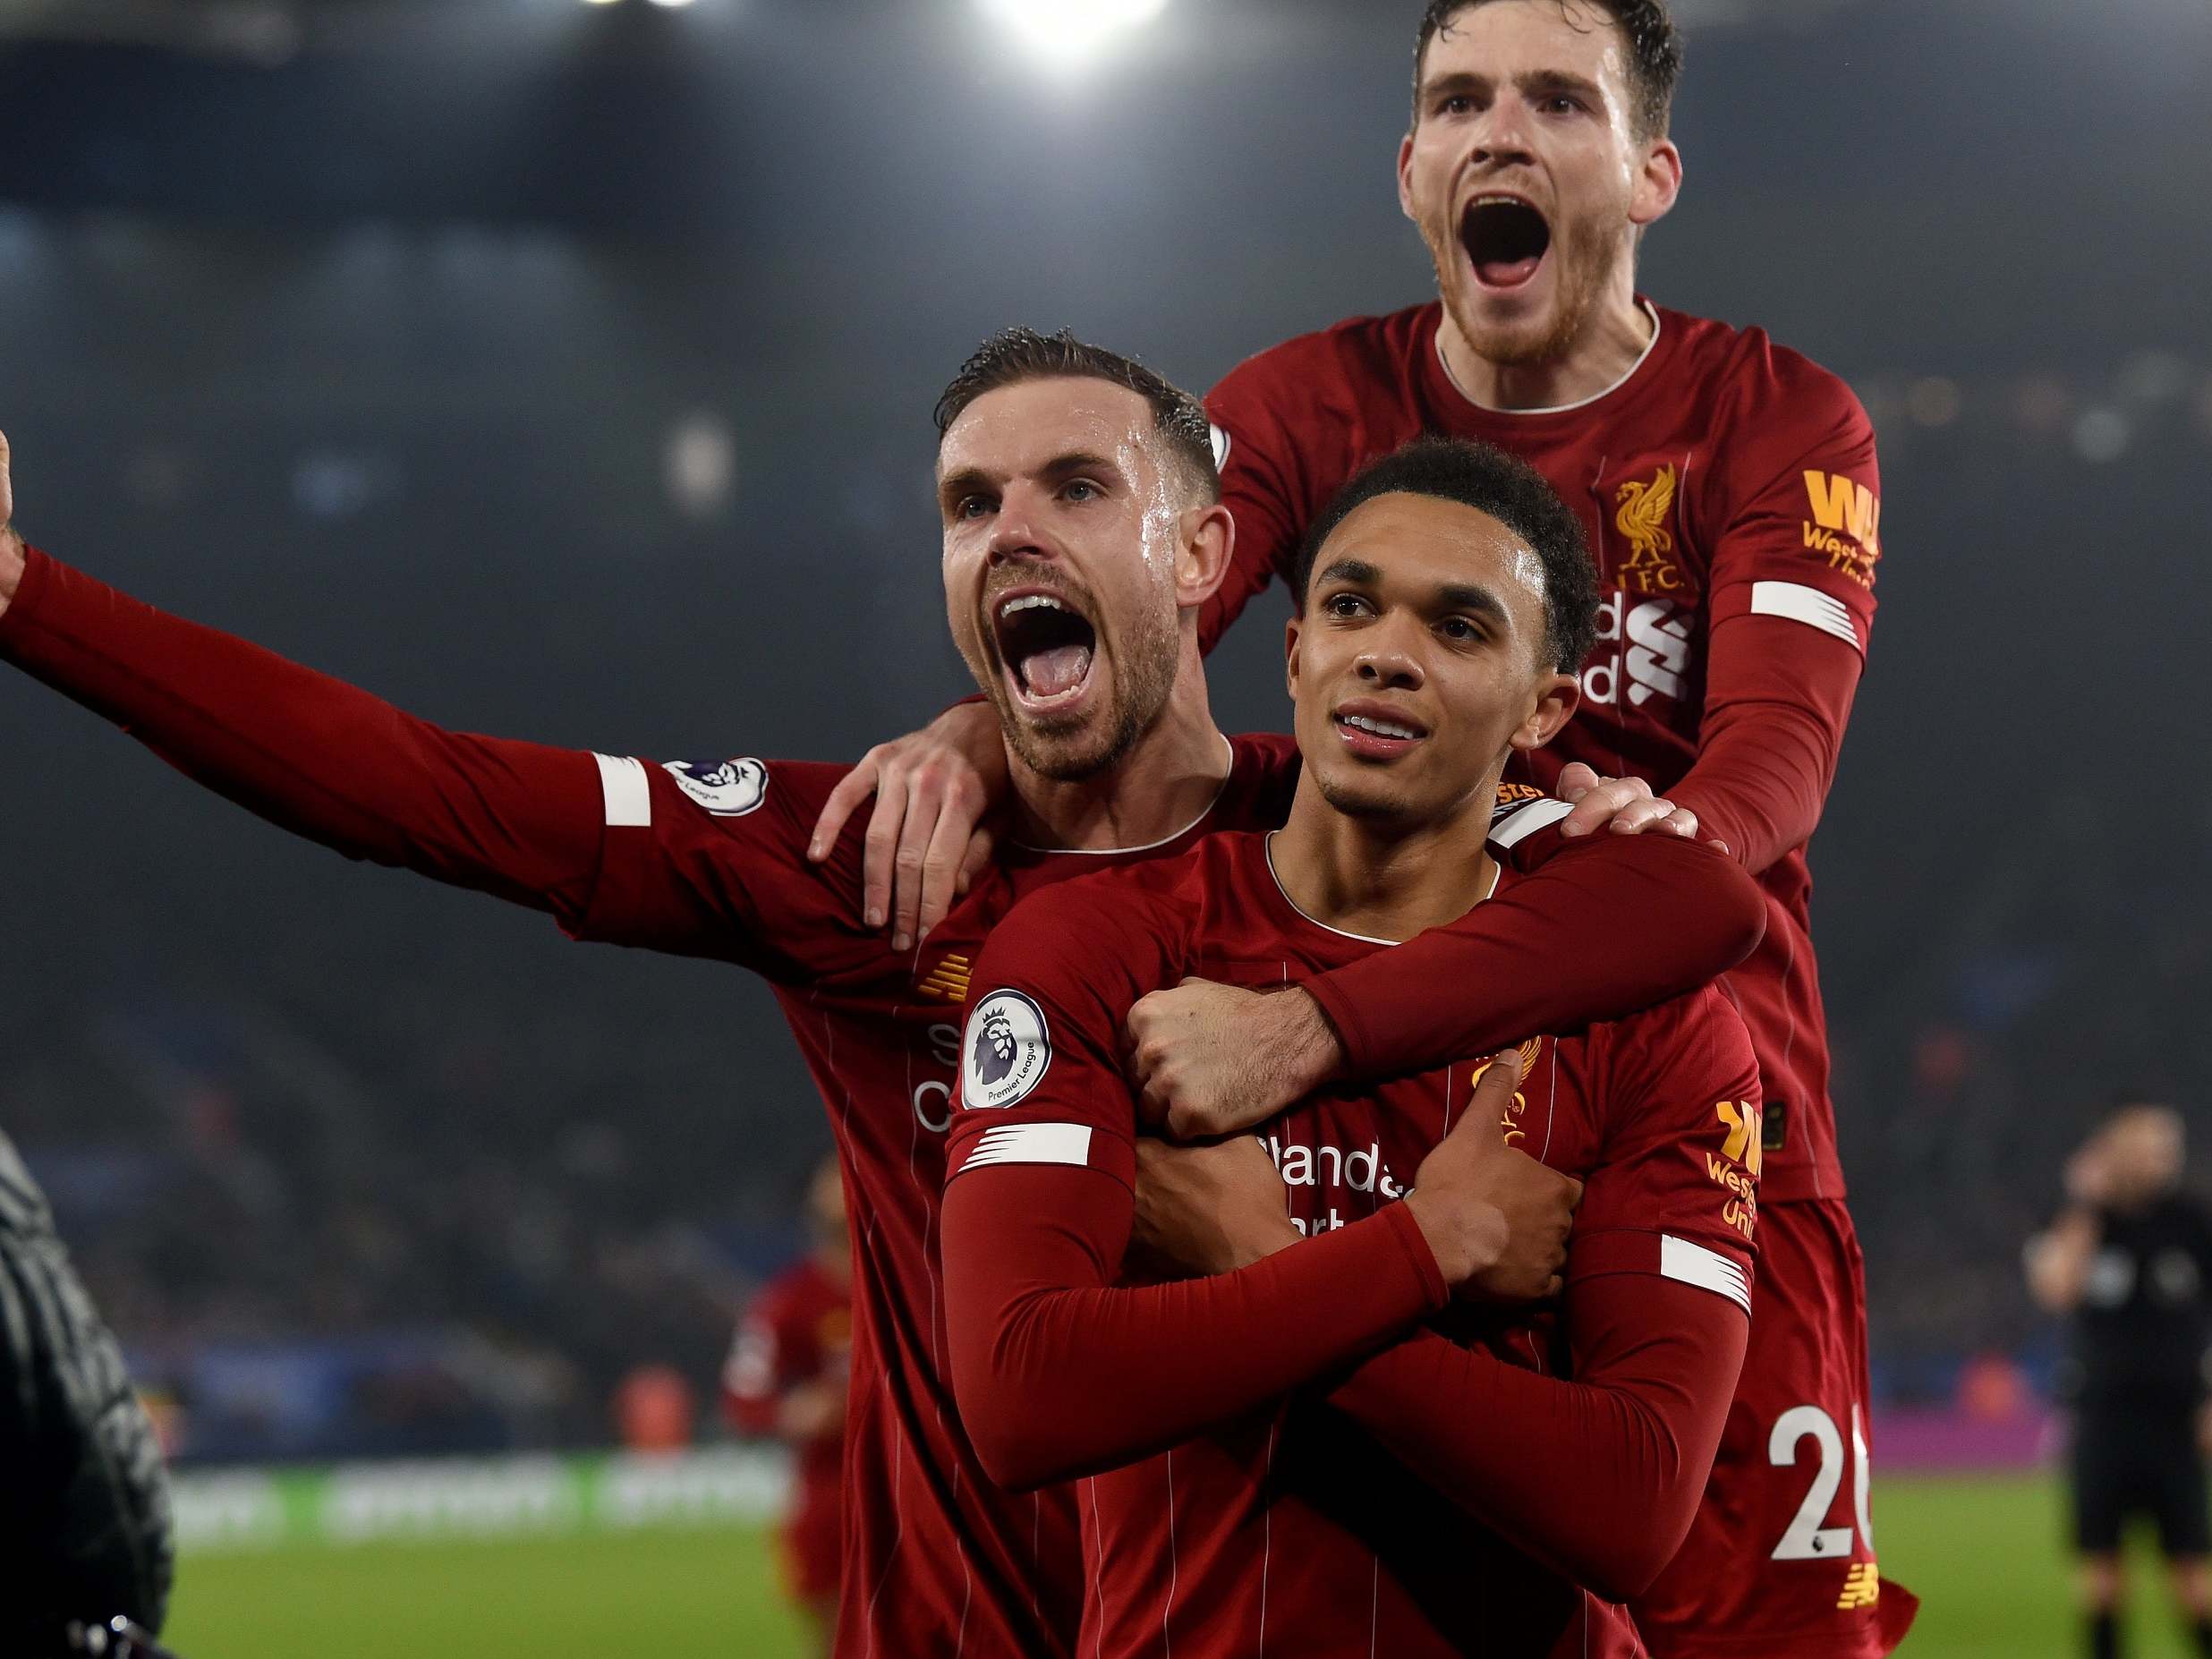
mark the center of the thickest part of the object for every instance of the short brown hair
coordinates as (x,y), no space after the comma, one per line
(1655,52)
(1014,356)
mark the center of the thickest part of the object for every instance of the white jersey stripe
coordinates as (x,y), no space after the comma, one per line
(1032,1142)
(629,797)
(1808,606)
(1517,826)
(1708,1270)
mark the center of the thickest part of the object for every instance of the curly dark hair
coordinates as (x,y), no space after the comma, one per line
(1012,356)
(1655,52)
(1512,492)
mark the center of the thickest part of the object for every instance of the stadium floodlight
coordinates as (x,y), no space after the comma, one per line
(672,5)
(1071,30)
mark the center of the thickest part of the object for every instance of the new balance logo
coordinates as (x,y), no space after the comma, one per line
(948,982)
(1862,1588)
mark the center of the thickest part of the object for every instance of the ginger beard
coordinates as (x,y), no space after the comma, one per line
(1586,250)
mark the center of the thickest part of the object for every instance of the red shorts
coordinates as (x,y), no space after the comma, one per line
(810,1546)
(1780,1560)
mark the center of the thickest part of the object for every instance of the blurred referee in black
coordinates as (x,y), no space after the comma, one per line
(2128,1263)
(86,1548)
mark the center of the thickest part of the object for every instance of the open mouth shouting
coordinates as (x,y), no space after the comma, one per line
(1046,646)
(1376,731)
(1506,239)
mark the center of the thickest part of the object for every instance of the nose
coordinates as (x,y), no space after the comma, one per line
(1387,659)
(1015,535)
(1501,136)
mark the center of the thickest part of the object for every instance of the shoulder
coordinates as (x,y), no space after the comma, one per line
(1126,917)
(1354,352)
(1781,396)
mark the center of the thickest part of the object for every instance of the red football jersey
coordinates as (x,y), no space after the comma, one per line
(1288,1528)
(798,1329)
(709,860)
(1726,484)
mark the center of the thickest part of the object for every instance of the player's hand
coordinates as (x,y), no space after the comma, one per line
(1203,1209)
(1496,1219)
(11,544)
(1624,805)
(926,840)
(1211,1059)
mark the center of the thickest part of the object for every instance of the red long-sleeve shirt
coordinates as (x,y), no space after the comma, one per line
(709,859)
(1730,492)
(1450,1496)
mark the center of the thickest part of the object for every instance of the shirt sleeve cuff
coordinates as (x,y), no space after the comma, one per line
(1406,1231)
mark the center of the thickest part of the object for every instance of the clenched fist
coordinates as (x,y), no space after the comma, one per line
(1211,1059)
(1496,1219)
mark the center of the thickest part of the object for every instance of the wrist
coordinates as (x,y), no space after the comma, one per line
(1304,1044)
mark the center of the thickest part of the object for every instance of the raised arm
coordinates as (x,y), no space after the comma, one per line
(679,858)
(310,753)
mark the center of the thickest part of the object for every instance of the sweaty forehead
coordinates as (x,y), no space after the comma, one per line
(1422,543)
(1016,429)
(1502,38)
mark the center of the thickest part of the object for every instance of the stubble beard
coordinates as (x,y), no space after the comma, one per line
(1078,750)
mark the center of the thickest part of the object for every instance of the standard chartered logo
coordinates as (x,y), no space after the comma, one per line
(1656,634)
(1330,1168)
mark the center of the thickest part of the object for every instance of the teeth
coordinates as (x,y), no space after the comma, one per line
(1380,728)
(1034,601)
(1509,201)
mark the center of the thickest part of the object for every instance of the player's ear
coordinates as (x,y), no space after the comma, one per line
(1208,542)
(1558,695)
(1658,182)
(1404,177)
(1291,655)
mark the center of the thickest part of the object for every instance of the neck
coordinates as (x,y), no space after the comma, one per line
(1381,878)
(1604,349)
(1165,783)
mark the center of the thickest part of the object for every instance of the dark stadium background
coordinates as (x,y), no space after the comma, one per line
(565,371)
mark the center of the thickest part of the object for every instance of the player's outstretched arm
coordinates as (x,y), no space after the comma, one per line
(310,753)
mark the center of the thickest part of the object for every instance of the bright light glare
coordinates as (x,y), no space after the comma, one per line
(599,2)
(672,3)
(1072,30)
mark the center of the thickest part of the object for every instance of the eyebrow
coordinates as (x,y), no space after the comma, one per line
(1459,81)
(1482,601)
(1356,571)
(969,479)
(1451,596)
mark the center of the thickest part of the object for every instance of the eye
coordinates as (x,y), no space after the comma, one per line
(1081,489)
(1460,630)
(971,506)
(1345,605)
(1559,104)
(1458,103)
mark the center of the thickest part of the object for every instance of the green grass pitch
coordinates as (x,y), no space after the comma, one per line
(1984,1556)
